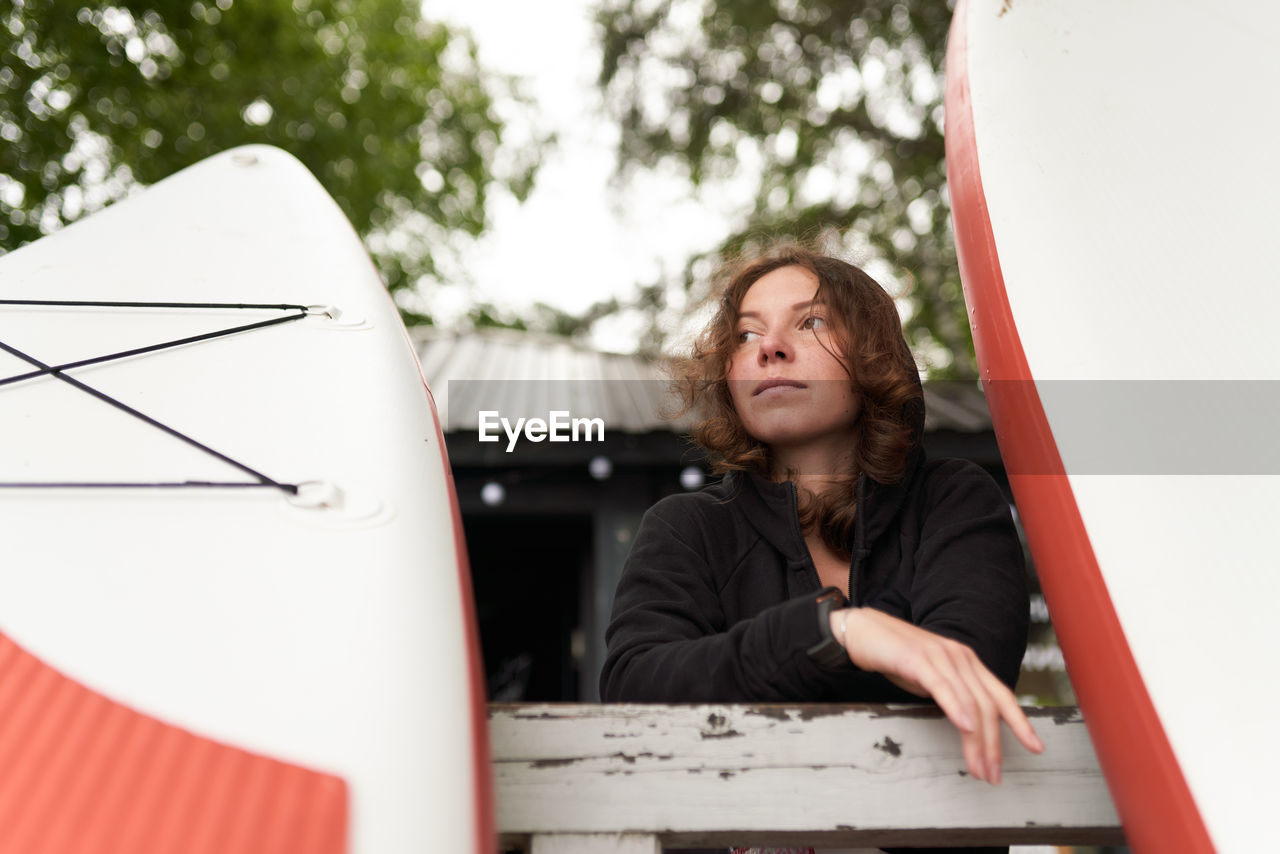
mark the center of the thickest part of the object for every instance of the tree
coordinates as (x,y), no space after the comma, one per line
(833,108)
(392,113)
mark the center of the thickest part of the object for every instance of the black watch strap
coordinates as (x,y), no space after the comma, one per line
(828,653)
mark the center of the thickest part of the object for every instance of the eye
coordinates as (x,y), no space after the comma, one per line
(746,335)
(813,323)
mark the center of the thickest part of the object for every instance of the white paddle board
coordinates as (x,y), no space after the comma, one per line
(235,610)
(1113,180)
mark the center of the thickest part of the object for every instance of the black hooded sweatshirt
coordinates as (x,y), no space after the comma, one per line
(717,601)
(718,597)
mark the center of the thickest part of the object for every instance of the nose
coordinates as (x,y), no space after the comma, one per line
(774,348)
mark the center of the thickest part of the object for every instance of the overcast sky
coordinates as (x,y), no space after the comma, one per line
(574,241)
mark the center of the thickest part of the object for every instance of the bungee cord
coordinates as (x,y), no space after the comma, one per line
(292,489)
(58,372)
(138,351)
(119,304)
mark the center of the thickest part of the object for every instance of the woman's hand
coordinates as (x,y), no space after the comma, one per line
(929,665)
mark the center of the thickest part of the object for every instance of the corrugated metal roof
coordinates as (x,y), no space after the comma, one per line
(955,405)
(530,374)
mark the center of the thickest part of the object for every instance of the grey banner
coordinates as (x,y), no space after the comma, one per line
(1131,427)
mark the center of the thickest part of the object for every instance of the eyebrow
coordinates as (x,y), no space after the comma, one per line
(806,304)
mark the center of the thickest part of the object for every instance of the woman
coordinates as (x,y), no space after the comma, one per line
(833,562)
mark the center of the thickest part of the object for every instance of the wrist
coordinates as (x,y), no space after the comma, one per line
(839,623)
(829,652)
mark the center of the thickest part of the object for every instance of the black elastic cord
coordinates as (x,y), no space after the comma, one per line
(184,484)
(124,354)
(102,304)
(124,407)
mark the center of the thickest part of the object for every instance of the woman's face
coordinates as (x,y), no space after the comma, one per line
(787,378)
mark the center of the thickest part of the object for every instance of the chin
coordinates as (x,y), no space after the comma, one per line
(784,437)
(774,430)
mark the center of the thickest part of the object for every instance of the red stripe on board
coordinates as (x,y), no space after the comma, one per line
(80,773)
(1150,793)
(485,824)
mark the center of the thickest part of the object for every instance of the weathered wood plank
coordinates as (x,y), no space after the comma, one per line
(595,843)
(832,775)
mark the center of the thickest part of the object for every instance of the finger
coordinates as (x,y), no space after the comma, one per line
(952,694)
(944,659)
(944,695)
(989,715)
(1013,715)
(952,688)
(970,744)
(988,719)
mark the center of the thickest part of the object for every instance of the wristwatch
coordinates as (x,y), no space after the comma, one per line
(828,653)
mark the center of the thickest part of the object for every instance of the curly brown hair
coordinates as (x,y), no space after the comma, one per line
(880,366)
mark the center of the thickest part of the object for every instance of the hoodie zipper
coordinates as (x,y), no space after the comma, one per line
(799,534)
(859,538)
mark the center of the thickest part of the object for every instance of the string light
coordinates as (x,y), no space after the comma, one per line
(600,467)
(692,477)
(493,494)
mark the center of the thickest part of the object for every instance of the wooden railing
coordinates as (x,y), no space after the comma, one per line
(631,778)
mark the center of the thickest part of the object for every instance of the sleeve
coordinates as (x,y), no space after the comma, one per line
(970,583)
(668,639)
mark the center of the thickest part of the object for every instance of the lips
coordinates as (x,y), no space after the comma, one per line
(776,382)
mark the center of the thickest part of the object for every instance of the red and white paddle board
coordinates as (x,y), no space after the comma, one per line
(1114,183)
(234,602)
